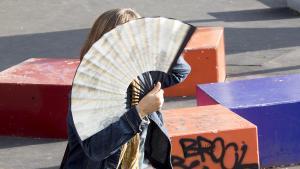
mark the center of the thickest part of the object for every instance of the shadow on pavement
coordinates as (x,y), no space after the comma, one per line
(249,15)
(274,4)
(264,71)
(63,44)
(55,167)
(255,15)
(179,98)
(9,142)
(239,40)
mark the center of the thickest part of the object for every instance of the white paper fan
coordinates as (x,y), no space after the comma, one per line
(100,84)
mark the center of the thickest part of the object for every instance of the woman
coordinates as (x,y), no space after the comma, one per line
(138,139)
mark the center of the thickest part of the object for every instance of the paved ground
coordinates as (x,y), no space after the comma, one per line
(260,41)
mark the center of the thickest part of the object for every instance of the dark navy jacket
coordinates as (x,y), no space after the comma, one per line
(102,150)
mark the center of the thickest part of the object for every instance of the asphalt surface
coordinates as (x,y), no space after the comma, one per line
(260,41)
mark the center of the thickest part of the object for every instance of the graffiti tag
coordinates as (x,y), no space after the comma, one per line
(201,146)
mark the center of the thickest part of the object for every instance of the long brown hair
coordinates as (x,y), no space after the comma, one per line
(106,22)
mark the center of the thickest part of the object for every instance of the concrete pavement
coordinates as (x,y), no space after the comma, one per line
(260,42)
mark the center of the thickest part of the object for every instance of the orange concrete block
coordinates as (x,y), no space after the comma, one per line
(211,137)
(206,55)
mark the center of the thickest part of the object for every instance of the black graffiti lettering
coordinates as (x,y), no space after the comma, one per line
(189,147)
(217,158)
(244,150)
(236,155)
(179,162)
(202,146)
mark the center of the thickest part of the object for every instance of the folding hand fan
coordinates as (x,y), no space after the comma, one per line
(99,91)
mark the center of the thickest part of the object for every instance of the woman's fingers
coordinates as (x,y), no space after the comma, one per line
(152,102)
(156,88)
(160,98)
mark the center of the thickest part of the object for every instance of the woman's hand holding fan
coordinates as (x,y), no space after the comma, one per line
(152,102)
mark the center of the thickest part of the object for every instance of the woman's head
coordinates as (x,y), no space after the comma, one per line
(106,22)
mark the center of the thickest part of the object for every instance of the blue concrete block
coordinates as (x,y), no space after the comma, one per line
(273,104)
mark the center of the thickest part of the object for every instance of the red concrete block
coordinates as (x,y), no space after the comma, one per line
(211,137)
(203,98)
(206,55)
(34,97)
